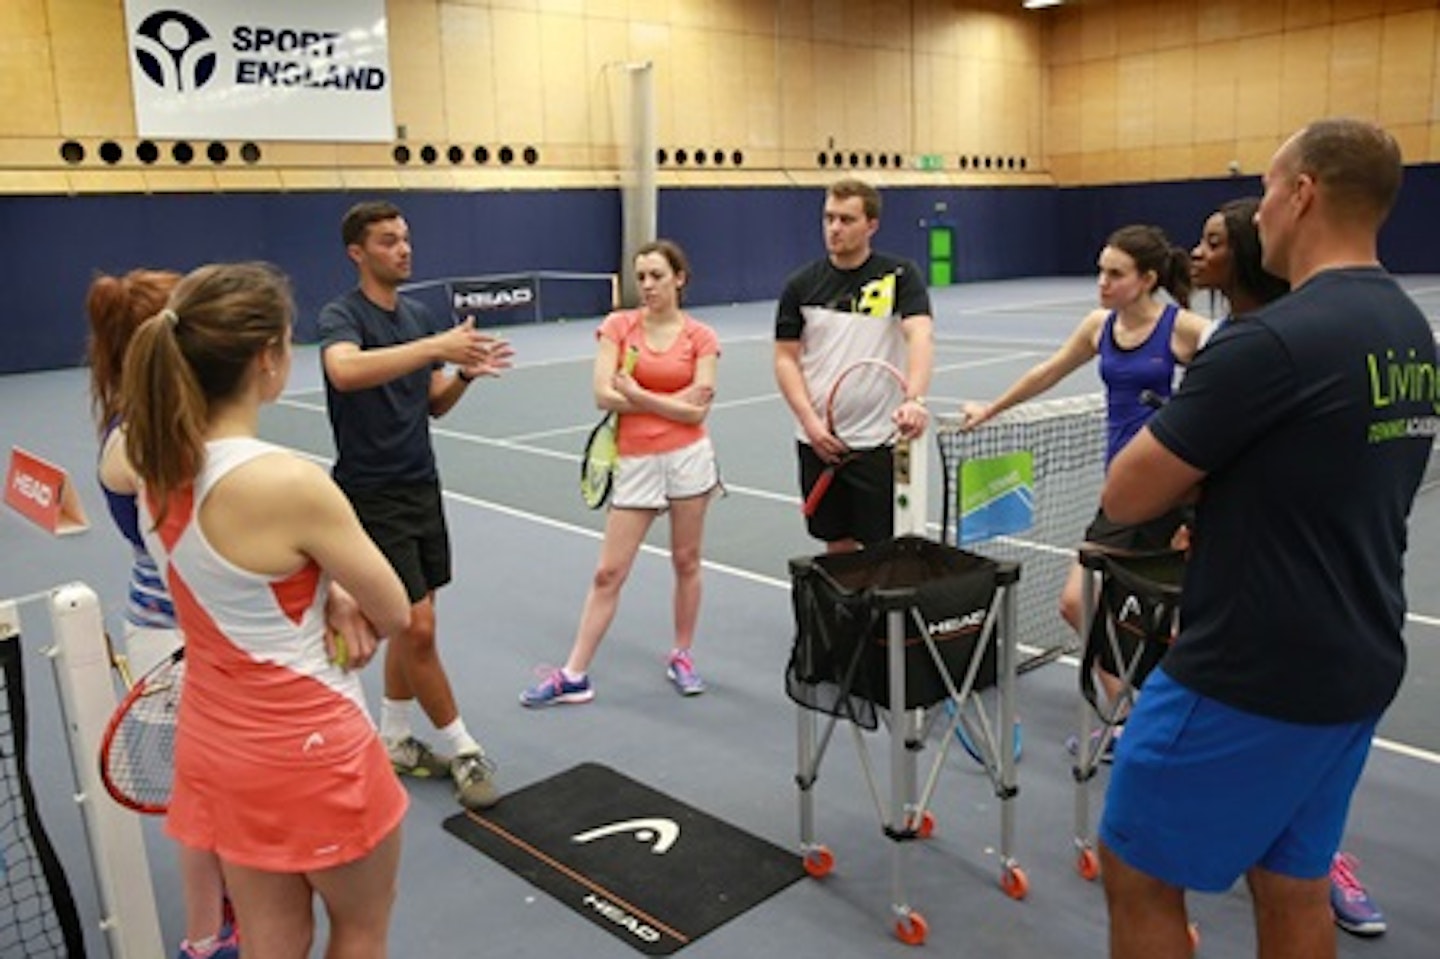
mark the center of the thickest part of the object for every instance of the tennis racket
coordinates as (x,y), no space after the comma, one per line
(602,451)
(861,401)
(137,753)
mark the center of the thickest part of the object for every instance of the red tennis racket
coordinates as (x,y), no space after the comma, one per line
(861,403)
(137,753)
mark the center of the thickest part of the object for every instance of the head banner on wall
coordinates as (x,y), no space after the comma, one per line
(263,69)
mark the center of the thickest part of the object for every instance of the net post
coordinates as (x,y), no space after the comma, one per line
(912,465)
(81,664)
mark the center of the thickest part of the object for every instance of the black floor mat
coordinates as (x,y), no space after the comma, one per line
(648,868)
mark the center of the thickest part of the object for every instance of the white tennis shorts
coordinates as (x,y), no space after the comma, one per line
(653,480)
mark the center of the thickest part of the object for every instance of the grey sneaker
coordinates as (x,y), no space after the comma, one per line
(474,775)
(412,757)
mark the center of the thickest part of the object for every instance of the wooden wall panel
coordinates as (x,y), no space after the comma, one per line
(466,34)
(949,100)
(1304,76)
(1407,67)
(92,72)
(894,102)
(760,73)
(689,87)
(1138,102)
(1355,70)
(565,79)
(729,91)
(1300,14)
(1175,92)
(519,86)
(1109,88)
(1347,10)
(1100,101)
(418,87)
(27,70)
(1215,106)
(799,129)
(1257,104)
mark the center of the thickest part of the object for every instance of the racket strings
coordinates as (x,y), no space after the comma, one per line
(139,757)
(863,402)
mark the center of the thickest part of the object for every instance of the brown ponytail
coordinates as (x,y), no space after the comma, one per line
(190,355)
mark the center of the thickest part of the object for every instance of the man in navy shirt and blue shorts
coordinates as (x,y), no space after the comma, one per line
(1304,432)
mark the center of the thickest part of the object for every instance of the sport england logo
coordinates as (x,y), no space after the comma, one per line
(660,833)
(175,51)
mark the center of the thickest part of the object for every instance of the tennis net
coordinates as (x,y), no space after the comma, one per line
(38,917)
(1052,459)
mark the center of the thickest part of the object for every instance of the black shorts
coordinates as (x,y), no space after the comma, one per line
(407,522)
(1149,536)
(860,503)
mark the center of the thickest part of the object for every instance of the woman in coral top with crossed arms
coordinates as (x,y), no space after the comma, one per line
(655,366)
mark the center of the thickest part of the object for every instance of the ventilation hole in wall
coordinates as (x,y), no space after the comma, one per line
(428,154)
(964,163)
(147,152)
(182,152)
(401,153)
(681,157)
(72,152)
(700,157)
(884,160)
(662,156)
(822,159)
(737,157)
(975,163)
(854,159)
(869,160)
(507,156)
(217,152)
(1022,163)
(531,156)
(719,157)
(482,155)
(897,161)
(456,155)
(838,159)
(111,153)
(250,152)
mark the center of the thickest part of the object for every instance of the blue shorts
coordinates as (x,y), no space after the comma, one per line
(1201,792)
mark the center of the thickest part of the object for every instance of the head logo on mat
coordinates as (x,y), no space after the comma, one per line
(660,833)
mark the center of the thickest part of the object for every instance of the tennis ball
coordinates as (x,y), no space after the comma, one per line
(341,656)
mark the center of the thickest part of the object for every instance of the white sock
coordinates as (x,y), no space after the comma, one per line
(455,739)
(395,719)
(572,676)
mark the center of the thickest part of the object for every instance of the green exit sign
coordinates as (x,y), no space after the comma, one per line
(930,161)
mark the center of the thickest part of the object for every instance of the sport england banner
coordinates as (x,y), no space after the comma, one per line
(263,69)
(997,496)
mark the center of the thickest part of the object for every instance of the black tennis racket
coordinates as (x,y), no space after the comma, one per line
(602,451)
(137,752)
(864,390)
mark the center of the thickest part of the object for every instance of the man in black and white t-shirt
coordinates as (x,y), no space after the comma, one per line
(853,304)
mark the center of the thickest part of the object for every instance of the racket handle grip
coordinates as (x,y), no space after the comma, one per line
(817,493)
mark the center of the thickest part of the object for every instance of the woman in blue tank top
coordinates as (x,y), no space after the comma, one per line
(116,307)
(1140,339)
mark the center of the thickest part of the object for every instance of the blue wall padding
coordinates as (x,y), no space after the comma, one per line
(742,242)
